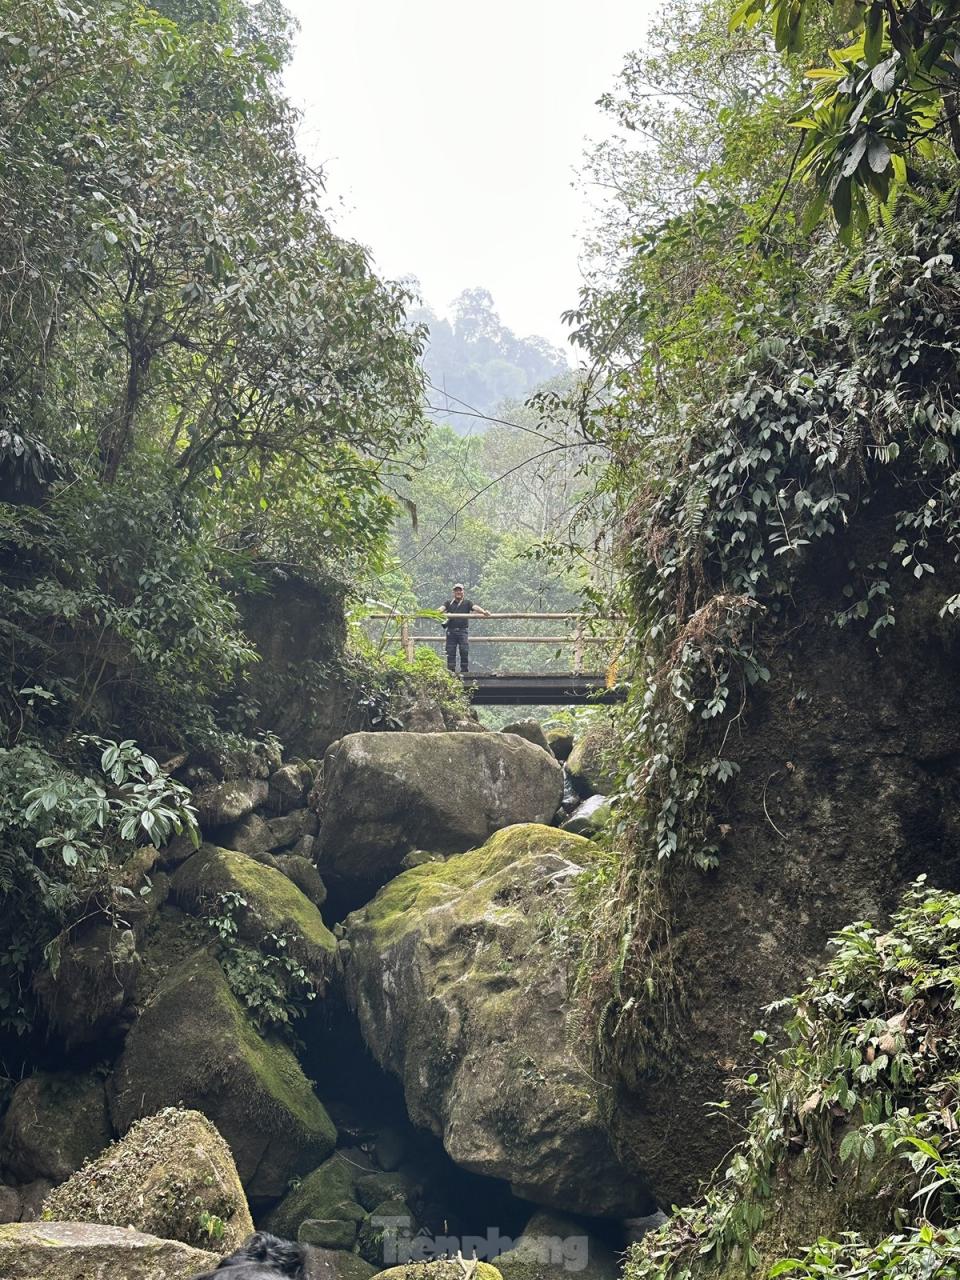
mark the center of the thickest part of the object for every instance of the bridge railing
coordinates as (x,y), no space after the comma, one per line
(579,638)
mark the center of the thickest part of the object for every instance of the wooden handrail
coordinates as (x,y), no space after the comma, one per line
(433,613)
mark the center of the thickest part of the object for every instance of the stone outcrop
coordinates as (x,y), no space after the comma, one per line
(170,1176)
(459,994)
(193,1045)
(54,1122)
(529,728)
(85,1251)
(385,794)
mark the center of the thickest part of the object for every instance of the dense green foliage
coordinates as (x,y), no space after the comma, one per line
(884,106)
(750,424)
(200,384)
(199,379)
(65,836)
(862,1102)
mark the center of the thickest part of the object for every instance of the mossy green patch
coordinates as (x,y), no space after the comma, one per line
(193,1044)
(325,1194)
(273,903)
(462,876)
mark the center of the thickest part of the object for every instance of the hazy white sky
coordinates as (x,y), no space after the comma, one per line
(450,133)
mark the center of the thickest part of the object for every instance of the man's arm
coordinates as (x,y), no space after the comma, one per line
(482,612)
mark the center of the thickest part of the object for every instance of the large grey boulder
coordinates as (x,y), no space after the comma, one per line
(387,793)
(461,994)
(193,1046)
(88,1251)
(529,728)
(54,1122)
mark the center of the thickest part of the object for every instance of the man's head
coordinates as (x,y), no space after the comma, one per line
(458,591)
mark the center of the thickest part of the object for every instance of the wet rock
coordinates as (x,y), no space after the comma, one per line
(530,729)
(168,1176)
(223,803)
(290,786)
(589,817)
(55,1121)
(273,904)
(560,742)
(591,764)
(459,994)
(193,1045)
(82,1250)
(11,1206)
(388,793)
(468,726)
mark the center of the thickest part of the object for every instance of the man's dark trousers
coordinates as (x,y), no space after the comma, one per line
(458,640)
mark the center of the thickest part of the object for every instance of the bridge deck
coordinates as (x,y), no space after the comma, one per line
(539,690)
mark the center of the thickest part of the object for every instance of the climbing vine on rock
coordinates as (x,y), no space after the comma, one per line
(845,407)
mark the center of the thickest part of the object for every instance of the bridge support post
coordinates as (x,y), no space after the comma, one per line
(578,649)
(406,640)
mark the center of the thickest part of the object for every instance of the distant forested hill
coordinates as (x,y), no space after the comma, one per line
(474,362)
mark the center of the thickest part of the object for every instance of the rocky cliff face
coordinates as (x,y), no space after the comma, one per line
(849,786)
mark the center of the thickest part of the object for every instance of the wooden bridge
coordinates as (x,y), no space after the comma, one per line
(523,688)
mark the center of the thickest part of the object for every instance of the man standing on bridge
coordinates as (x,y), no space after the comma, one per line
(456,628)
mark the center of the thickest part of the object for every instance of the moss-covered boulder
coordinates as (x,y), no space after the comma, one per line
(327,1194)
(273,904)
(552,1246)
(387,793)
(386,1235)
(591,765)
(88,1251)
(461,994)
(171,1176)
(54,1122)
(193,1046)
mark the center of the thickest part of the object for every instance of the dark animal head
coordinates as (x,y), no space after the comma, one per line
(262,1257)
